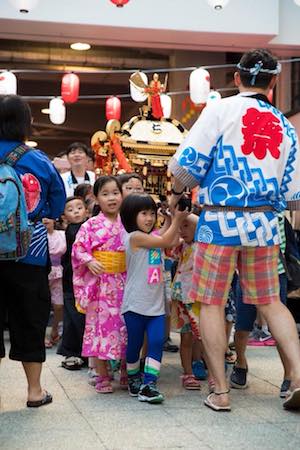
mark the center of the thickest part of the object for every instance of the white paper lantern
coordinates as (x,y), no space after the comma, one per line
(213,96)
(199,85)
(137,93)
(166,104)
(297,2)
(8,83)
(57,111)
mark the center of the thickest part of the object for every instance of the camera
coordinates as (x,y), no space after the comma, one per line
(185,203)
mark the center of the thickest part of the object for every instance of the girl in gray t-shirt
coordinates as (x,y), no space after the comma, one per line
(143,301)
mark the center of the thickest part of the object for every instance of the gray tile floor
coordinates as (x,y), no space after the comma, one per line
(81,419)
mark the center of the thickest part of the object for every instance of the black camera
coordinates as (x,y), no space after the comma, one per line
(185,203)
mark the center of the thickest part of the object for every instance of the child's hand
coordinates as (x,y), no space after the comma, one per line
(180,216)
(95,267)
(164,211)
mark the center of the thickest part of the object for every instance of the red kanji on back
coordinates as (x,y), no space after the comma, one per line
(262,133)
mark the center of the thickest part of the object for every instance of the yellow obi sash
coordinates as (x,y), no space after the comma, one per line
(113,262)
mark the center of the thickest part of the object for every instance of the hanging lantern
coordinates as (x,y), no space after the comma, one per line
(8,83)
(166,104)
(113,108)
(119,3)
(213,96)
(199,85)
(70,87)
(57,113)
(138,94)
(270,95)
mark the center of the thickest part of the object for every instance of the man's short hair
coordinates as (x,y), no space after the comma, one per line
(79,145)
(257,59)
(15,118)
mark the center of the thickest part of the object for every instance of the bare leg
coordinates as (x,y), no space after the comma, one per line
(284,331)
(33,374)
(214,339)
(240,341)
(186,348)
(57,317)
(101,366)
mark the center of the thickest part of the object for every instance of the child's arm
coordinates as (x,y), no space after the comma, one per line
(144,240)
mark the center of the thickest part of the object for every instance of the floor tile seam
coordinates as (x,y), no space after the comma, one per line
(76,408)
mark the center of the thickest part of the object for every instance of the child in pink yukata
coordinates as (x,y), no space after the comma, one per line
(99,272)
(57,247)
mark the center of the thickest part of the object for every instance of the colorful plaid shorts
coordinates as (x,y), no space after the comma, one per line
(214,267)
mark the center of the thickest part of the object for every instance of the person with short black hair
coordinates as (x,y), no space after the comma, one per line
(244,155)
(131,183)
(78,155)
(24,290)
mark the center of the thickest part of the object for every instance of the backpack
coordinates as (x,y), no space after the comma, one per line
(15,229)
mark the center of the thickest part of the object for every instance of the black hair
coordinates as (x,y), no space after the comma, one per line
(91,154)
(61,154)
(131,206)
(82,190)
(125,177)
(79,145)
(252,57)
(101,181)
(74,197)
(15,118)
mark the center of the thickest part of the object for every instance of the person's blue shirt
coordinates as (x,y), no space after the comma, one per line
(44,193)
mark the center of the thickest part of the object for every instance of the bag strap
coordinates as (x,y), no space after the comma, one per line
(16,154)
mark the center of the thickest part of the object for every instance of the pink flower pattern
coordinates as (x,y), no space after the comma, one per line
(100,296)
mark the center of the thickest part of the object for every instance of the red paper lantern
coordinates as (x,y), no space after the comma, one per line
(113,108)
(70,88)
(119,3)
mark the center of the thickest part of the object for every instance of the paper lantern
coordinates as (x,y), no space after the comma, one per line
(199,85)
(270,95)
(113,108)
(166,104)
(213,96)
(8,83)
(138,94)
(119,3)
(57,111)
(70,87)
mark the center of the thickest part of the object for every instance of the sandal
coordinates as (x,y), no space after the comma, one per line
(230,357)
(208,402)
(72,363)
(190,382)
(48,343)
(104,385)
(37,403)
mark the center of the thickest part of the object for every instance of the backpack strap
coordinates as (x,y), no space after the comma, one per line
(16,154)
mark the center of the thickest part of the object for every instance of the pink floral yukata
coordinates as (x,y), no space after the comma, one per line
(100,296)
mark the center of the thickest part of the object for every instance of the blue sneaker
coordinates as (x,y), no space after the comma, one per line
(199,370)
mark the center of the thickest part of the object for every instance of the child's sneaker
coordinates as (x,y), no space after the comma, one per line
(199,370)
(134,384)
(149,393)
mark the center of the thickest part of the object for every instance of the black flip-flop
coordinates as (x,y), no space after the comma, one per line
(37,403)
(292,401)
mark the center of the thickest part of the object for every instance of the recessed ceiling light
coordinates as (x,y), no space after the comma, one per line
(31,143)
(80,46)
(45,111)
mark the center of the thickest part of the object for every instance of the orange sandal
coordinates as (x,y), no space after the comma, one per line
(190,383)
(104,386)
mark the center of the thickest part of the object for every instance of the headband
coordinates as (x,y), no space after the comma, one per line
(258,68)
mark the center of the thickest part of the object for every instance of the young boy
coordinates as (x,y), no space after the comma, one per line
(75,214)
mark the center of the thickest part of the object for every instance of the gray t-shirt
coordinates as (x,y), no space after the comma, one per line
(144,288)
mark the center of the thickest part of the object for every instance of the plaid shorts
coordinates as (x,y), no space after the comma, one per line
(214,267)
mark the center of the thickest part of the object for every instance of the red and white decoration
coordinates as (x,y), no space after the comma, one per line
(119,3)
(8,83)
(166,104)
(57,112)
(70,87)
(199,86)
(113,108)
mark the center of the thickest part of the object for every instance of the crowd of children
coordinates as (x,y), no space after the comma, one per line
(109,272)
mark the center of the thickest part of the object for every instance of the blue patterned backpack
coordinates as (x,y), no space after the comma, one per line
(15,230)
